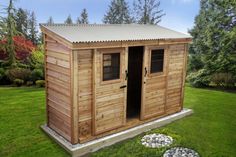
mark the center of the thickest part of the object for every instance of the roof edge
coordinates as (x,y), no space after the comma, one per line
(72,44)
(115,44)
(102,25)
(134,40)
(56,36)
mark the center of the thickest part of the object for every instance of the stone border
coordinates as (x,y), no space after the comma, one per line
(180,151)
(156,140)
(92,146)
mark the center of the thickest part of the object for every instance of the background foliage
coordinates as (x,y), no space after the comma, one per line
(21,54)
(213,51)
(212,55)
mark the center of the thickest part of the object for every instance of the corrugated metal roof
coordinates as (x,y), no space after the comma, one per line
(115,32)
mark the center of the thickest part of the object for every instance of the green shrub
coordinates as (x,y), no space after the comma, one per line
(40,83)
(2,73)
(194,63)
(37,74)
(223,79)
(18,73)
(36,59)
(22,65)
(200,78)
(18,82)
(29,83)
(3,78)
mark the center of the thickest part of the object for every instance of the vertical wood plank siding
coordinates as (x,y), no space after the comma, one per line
(163,92)
(85,95)
(58,87)
(109,97)
(155,87)
(176,77)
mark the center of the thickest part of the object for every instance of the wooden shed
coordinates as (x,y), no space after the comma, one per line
(102,79)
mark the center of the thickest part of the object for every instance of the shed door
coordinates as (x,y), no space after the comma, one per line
(154,82)
(110,88)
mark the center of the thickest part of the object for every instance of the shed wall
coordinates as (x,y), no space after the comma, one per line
(58,87)
(74,87)
(163,92)
(85,97)
(176,78)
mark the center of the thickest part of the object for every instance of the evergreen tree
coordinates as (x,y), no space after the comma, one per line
(78,21)
(69,20)
(8,31)
(147,11)
(214,38)
(22,22)
(83,19)
(3,27)
(33,32)
(118,13)
(40,39)
(50,20)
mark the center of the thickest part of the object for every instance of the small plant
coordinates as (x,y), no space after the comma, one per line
(37,74)
(223,79)
(2,73)
(36,59)
(199,79)
(18,73)
(40,83)
(18,82)
(3,77)
(29,83)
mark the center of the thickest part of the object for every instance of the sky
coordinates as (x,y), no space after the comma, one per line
(179,14)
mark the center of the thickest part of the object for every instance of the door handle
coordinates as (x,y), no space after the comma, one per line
(123,86)
(145,74)
(126,74)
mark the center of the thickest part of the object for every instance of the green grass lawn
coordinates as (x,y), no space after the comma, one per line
(210,130)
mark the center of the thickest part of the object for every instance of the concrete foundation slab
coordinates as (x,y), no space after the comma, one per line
(92,146)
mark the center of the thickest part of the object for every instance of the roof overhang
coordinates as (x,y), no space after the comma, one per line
(111,44)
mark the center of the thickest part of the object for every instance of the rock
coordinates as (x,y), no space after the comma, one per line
(156,140)
(180,152)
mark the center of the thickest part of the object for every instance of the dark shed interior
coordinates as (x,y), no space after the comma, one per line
(135,61)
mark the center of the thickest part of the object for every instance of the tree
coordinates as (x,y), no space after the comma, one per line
(69,20)
(22,22)
(33,32)
(22,46)
(147,11)
(118,13)
(50,20)
(214,38)
(8,31)
(83,19)
(40,38)
(3,26)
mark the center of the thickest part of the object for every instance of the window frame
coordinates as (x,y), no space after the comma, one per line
(163,72)
(111,51)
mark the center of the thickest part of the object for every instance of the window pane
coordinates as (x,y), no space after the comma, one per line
(111,66)
(157,60)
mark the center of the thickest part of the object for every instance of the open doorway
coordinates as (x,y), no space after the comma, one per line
(135,63)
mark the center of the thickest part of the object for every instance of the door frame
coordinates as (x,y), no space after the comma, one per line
(144,79)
